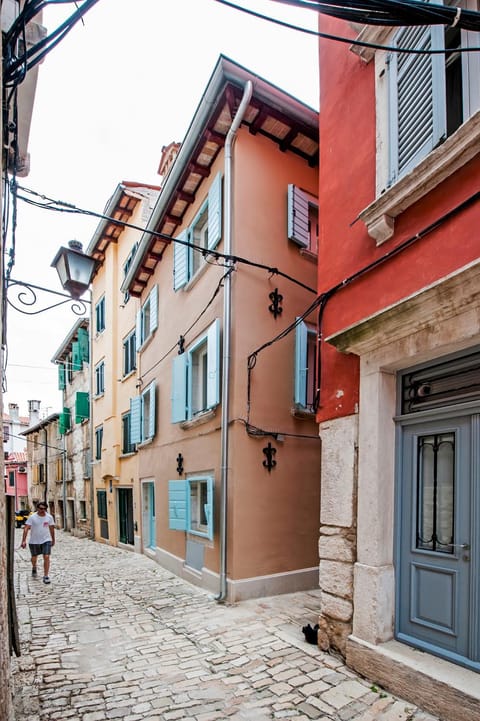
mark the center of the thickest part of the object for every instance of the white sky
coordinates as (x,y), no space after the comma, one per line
(109,97)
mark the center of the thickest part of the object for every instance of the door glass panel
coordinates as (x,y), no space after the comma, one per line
(435,492)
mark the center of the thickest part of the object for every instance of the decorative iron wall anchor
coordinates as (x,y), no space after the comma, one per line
(269,452)
(275,306)
(180,464)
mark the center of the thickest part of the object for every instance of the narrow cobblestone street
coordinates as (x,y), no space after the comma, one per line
(115,636)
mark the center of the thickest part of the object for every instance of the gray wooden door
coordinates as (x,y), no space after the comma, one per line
(437,537)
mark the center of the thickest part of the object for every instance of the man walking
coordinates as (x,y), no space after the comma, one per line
(42,538)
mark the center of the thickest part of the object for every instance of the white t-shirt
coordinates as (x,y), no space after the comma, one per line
(40,527)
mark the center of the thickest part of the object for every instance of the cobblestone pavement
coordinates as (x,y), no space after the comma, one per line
(115,636)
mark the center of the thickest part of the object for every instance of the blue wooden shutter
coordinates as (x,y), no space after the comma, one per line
(180,262)
(417,98)
(153,308)
(177,505)
(76,357)
(297,216)
(213,364)
(301,335)
(83,343)
(136,420)
(179,388)
(215,212)
(61,377)
(82,407)
(209,507)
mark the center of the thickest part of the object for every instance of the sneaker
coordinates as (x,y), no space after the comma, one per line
(46,579)
(34,571)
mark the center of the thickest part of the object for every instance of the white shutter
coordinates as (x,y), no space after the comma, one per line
(179,388)
(151,407)
(180,262)
(215,212)
(213,364)
(416,98)
(138,331)
(153,308)
(297,216)
(136,420)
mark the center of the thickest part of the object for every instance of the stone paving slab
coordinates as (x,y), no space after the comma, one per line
(117,637)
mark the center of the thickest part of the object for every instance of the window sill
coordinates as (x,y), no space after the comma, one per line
(128,375)
(128,455)
(301,412)
(145,343)
(440,164)
(309,255)
(146,442)
(200,418)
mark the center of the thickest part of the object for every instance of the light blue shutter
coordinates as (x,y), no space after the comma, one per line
(209,507)
(417,101)
(213,364)
(215,212)
(152,415)
(297,216)
(136,419)
(76,357)
(138,331)
(153,308)
(177,505)
(61,377)
(301,335)
(180,262)
(179,388)
(83,342)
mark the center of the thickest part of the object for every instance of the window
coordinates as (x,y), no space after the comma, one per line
(6,434)
(100,378)
(102,504)
(11,478)
(190,505)
(302,216)
(69,368)
(147,318)
(126,268)
(82,505)
(129,353)
(100,315)
(61,377)
(205,231)
(305,367)
(196,376)
(430,96)
(98,442)
(143,416)
(41,473)
(127,445)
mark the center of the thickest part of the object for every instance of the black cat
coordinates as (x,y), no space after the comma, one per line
(311,634)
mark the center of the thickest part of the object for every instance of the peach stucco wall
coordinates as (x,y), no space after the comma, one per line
(273,518)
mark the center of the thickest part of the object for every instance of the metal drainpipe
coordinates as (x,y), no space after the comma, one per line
(90,420)
(227,320)
(45,430)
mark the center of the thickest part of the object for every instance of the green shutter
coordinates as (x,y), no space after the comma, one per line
(76,357)
(82,407)
(61,377)
(83,343)
(64,421)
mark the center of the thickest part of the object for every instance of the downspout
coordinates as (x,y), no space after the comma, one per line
(90,420)
(227,323)
(45,430)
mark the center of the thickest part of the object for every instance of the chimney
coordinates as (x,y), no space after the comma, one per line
(34,412)
(13,412)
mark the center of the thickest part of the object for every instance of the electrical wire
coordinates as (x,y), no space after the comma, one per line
(63,207)
(351,41)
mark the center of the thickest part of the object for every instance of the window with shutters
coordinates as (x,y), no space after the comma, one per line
(203,234)
(427,116)
(190,506)
(302,219)
(100,316)
(147,319)
(82,407)
(100,378)
(98,442)
(305,367)
(129,354)
(143,416)
(196,377)
(127,445)
(126,268)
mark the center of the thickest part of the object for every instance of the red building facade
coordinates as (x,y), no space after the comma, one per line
(399,386)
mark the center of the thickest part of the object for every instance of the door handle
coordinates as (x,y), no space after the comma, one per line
(464,546)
